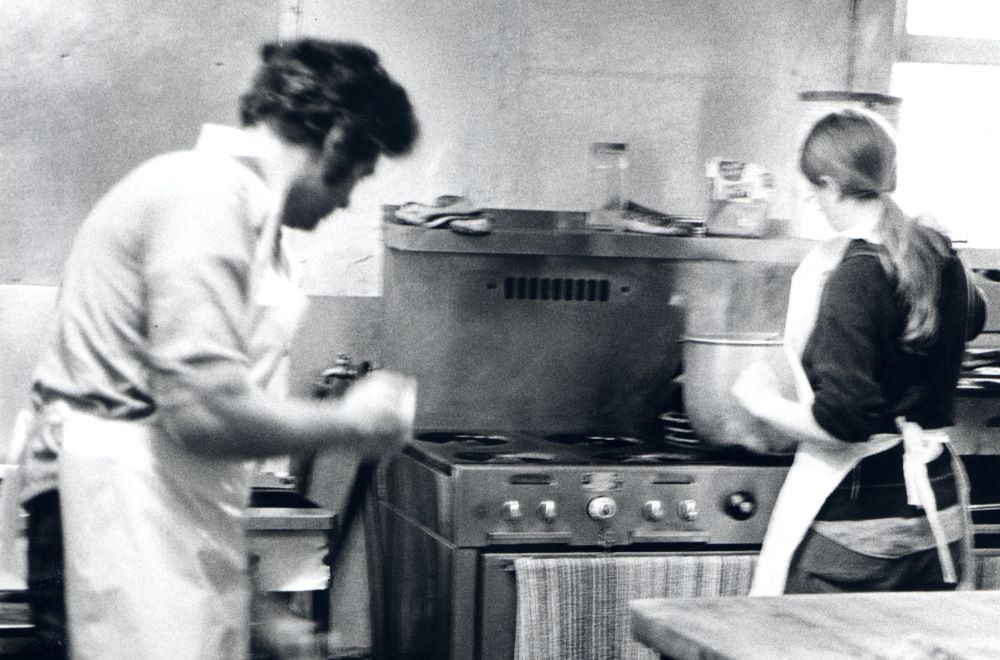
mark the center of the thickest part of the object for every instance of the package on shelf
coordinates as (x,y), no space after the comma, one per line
(739,194)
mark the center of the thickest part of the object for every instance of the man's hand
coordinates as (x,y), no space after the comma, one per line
(380,408)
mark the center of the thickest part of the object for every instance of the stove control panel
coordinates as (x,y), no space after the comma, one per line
(602,508)
(636,505)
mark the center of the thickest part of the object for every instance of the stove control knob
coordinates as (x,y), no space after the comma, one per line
(653,510)
(687,510)
(602,508)
(741,505)
(547,510)
(512,511)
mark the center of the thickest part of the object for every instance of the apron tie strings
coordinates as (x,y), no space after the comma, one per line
(919,448)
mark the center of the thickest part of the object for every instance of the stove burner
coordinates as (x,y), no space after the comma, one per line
(675,419)
(681,437)
(501,457)
(597,441)
(677,429)
(644,459)
(464,439)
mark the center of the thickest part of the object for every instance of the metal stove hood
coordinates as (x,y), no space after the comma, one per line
(537,329)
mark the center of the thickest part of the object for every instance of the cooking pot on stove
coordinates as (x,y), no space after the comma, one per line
(711,365)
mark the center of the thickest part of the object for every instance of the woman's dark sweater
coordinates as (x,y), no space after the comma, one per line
(863,378)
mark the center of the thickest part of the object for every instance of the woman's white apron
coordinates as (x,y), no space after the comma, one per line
(817,470)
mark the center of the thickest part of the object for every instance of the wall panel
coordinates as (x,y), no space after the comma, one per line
(90,88)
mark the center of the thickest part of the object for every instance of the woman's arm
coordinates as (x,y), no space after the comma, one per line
(756,389)
(846,352)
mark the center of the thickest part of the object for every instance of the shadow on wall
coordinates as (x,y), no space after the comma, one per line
(27,317)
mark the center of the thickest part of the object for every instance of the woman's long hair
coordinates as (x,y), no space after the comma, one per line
(856,149)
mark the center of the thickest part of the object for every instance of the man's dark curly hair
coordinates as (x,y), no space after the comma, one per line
(333,96)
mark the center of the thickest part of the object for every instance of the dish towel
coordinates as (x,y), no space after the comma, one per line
(576,607)
(453,212)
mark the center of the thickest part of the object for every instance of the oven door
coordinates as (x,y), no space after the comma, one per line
(577,603)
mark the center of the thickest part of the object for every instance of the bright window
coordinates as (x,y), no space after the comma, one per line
(948,146)
(948,75)
(975,19)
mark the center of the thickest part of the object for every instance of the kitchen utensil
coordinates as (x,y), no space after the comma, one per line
(711,365)
(609,165)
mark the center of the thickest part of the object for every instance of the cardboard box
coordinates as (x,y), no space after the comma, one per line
(739,194)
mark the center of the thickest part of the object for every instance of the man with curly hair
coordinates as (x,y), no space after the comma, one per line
(175,315)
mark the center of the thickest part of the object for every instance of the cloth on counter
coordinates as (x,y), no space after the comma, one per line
(640,226)
(644,220)
(474,226)
(453,212)
(414,213)
(577,607)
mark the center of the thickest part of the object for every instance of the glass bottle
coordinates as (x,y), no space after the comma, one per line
(608,177)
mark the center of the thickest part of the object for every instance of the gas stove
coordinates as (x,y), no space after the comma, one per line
(479,489)
(677,444)
(539,435)
(459,509)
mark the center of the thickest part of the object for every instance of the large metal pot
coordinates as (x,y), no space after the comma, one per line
(711,365)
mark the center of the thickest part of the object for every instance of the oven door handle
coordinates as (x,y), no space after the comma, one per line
(671,536)
(516,538)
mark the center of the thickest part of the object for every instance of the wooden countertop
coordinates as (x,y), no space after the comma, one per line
(892,626)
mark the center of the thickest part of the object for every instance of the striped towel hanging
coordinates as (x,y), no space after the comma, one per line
(576,607)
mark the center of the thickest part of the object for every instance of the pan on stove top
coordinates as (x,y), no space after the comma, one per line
(594,440)
(502,457)
(463,439)
(646,458)
(677,429)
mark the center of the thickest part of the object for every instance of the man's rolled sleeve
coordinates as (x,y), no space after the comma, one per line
(197,271)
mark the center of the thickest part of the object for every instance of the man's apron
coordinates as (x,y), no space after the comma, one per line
(155,549)
(817,470)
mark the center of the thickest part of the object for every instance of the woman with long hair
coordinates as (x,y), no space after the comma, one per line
(877,324)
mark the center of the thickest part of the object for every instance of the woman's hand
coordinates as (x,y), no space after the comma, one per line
(756,388)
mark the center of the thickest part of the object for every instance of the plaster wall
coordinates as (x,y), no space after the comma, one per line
(90,88)
(510,94)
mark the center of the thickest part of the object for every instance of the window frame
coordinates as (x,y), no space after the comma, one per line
(941,50)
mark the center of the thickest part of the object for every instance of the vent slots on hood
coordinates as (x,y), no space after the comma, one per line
(559,289)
